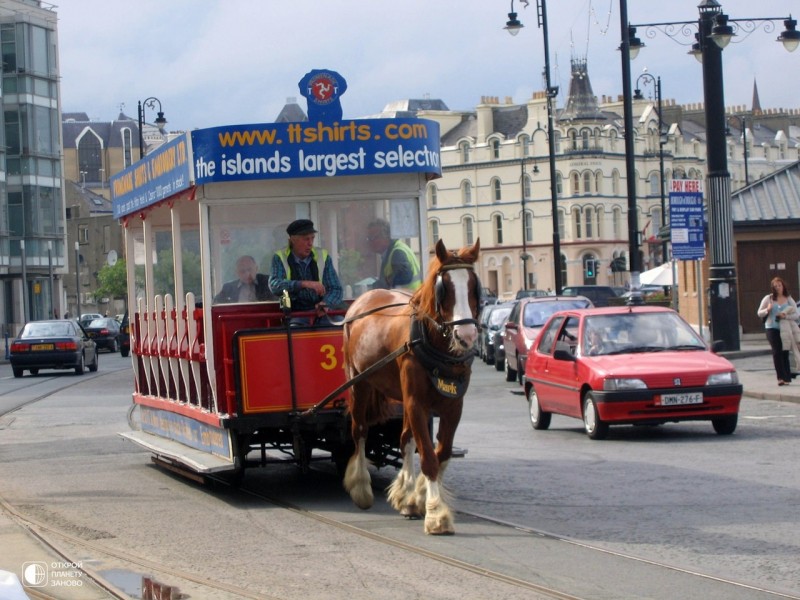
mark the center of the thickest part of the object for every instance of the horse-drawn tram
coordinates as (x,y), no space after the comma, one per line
(218,375)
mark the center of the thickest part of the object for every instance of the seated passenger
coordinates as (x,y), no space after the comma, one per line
(306,273)
(594,343)
(249,287)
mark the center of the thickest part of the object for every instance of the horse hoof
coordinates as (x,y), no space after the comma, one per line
(410,512)
(439,527)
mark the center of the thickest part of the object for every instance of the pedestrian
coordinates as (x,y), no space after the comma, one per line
(399,266)
(306,273)
(776,306)
(249,286)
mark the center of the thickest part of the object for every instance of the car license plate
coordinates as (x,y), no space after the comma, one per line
(38,347)
(678,399)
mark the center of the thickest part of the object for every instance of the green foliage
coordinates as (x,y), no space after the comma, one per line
(112,282)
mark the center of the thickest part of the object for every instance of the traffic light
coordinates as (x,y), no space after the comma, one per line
(590,267)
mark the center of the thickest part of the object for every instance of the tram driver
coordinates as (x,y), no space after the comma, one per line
(306,273)
(250,286)
(399,266)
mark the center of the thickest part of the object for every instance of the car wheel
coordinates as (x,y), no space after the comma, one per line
(114,346)
(539,418)
(93,367)
(124,352)
(725,425)
(595,428)
(81,368)
(511,374)
(499,364)
(17,371)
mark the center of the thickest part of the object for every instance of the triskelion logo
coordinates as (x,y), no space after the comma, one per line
(35,574)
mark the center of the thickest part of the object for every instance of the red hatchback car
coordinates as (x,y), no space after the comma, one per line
(640,365)
(523,325)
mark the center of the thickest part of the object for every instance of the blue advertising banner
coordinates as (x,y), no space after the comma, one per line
(306,149)
(162,173)
(186,431)
(686,219)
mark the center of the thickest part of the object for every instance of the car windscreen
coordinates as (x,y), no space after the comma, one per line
(536,313)
(498,317)
(650,332)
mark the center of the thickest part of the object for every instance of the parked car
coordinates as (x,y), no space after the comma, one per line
(87,318)
(498,339)
(105,332)
(492,318)
(53,344)
(524,323)
(598,294)
(531,293)
(125,336)
(639,365)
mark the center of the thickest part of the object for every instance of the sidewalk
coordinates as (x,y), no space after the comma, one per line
(761,383)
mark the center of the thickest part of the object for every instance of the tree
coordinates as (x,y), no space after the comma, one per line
(112,282)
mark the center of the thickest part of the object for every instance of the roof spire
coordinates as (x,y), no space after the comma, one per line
(756,107)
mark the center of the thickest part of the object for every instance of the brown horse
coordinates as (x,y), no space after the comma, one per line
(432,337)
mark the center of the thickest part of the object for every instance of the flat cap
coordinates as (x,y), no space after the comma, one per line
(301,227)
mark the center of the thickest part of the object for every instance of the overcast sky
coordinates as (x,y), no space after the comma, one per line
(220,62)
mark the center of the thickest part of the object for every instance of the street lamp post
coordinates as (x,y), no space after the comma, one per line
(77,281)
(525,256)
(50,277)
(656,82)
(713,34)
(160,120)
(513,26)
(24,267)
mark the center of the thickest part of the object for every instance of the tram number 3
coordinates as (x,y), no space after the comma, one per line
(329,361)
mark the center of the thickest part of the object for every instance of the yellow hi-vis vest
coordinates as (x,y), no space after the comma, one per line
(320,254)
(416,277)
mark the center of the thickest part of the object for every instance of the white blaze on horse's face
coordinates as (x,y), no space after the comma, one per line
(467,333)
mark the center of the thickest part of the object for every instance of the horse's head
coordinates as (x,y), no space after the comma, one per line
(456,295)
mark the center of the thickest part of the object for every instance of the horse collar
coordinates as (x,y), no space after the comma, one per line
(442,367)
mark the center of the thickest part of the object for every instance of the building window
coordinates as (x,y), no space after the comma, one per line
(528,227)
(585,139)
(466,193)
(83,234)
(655,188)
(557,142)
(89,157)
(495,149)
(469,235)
(655,215)
(615,183)
(432,196)
(498,229)
(616,219)
(578,218)
(434,226)
(587,182)
(589,214)
(562,230)
(559,185)
(496,190)
(525,142)
(526,187)
(464,148)
(576,184)
(573,140)
(598,182)
(127,146)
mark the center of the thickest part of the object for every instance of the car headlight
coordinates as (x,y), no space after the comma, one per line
(620,383)
(731,377)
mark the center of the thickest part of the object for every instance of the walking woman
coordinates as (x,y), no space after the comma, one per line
(774,307)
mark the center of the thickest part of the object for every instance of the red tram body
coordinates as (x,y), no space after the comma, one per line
(220,387)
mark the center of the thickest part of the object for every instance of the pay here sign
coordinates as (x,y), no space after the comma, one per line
(686,219)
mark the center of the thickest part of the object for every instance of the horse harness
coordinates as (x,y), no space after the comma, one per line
(449,374)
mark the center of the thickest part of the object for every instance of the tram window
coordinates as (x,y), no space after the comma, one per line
(260,231)
(257,231)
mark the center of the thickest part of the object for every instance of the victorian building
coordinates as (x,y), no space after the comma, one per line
(496,182)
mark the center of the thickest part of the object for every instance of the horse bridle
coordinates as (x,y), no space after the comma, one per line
(445,327)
